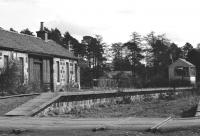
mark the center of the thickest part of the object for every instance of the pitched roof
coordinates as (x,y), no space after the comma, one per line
(184,61)
(30,44)
(187,62)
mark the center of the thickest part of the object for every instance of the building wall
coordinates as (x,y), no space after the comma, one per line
(62,65)
(40,72)
(61,84)
(15,55)
(172,75)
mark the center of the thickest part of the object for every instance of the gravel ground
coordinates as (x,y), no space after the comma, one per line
(191,132)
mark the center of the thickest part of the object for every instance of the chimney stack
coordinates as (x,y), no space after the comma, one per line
(41,26)
(42,33)
(70,48)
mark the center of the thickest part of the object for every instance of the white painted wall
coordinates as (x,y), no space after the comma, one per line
(172,75)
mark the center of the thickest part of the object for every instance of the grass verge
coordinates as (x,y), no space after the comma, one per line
(9,104)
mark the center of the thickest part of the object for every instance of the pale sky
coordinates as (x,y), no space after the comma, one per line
(115,20)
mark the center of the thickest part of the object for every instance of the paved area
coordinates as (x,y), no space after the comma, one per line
(34,105)
(33,123)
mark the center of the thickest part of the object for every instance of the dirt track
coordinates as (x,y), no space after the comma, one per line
(78,127)
(32,123)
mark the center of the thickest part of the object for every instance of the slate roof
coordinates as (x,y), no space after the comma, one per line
(30,44)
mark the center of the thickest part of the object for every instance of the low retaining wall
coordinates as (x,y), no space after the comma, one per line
(83,100)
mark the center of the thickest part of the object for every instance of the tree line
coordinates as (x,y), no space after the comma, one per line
(147,57)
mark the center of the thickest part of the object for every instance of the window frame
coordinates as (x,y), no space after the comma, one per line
(6,57)
(182,71)
(58,70)
(21,59)
(67,72)
(76,72)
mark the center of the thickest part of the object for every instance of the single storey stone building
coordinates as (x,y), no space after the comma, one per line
(182,70)
(42,61)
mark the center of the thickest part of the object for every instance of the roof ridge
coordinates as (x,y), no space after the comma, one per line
(48,40)
(183,60)
(20,33)
(186,61)
(28,43)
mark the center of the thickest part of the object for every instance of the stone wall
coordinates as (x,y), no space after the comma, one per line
(62,65)
(15,55)
(66,104)
(63,73)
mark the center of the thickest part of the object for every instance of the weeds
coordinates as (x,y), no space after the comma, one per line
(171,104)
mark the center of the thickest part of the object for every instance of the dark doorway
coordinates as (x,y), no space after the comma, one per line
(41,72)
(37,73)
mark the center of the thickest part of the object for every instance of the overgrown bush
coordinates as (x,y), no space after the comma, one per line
(178,83)
(127,81)
(86,77)
(123,80)
(10,81)
(157,81)
(9,78)
(32,87)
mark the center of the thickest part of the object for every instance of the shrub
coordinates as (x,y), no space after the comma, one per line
(32,87)
(178,83)
(157,81)
(9,78)
(86,77)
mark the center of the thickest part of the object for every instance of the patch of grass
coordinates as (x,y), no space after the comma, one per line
(9,104)
(179,107)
